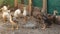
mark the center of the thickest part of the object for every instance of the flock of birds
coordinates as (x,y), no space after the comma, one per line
(12,18)
(46,18)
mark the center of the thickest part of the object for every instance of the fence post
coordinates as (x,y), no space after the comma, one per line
(44,9)
(15,3)
(22,5)
(30,7)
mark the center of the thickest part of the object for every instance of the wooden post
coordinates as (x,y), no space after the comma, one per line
(22,1)
(44,9)
(30,6)
(22,5)
(15,3)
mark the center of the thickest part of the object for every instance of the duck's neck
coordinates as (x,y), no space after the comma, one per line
(55,12)
(11,18)
(24,9)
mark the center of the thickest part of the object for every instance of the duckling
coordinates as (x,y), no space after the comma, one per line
(17,13)
(6,15)
(25,14)
(13,22)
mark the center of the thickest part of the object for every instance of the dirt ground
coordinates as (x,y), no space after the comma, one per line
(6,28)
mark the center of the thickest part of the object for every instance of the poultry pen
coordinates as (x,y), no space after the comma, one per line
(32,25)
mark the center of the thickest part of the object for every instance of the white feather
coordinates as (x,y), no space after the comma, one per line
(17,12)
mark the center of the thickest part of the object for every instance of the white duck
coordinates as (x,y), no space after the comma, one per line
(24,12)
(17,13)
(6,15)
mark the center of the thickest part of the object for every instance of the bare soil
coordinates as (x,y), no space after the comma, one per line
(6,28)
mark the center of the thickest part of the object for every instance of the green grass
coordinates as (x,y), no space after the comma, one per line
(1,1)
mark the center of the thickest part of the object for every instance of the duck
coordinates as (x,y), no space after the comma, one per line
(4,8)
(57,21)
(14,22)
(17,13)
(36,12)
(54,16)
(49,19)
(25,14)
(24,11)
(55,12)
(6,15)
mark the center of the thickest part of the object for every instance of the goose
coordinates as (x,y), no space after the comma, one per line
(17,13)
(13,22)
